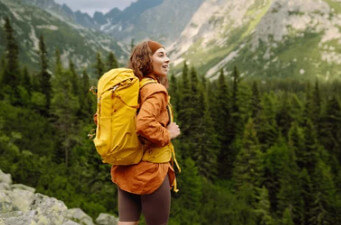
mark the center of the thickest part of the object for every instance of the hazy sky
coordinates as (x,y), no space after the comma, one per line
(90,6)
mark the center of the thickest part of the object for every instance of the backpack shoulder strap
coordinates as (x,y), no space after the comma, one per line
(146,81)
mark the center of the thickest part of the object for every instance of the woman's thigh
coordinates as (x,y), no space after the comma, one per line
(129,206)
(156,206)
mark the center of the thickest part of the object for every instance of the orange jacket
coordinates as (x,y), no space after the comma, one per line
(153,118)
(151,124)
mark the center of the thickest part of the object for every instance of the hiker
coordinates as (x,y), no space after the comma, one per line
(145,187)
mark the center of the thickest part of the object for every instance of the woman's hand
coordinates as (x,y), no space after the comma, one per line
(173,130)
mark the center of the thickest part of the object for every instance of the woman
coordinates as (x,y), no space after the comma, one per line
(146,186)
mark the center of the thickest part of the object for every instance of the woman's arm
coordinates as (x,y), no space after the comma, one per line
(146,123)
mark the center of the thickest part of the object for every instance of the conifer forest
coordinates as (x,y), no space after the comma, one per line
(252,151)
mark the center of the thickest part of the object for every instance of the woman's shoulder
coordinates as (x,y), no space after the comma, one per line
(150,89)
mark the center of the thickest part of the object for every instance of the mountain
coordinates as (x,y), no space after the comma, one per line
(65,12)
(162,20)
(74,41)
(265,38)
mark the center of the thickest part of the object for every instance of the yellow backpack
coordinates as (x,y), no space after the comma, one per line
(117,104)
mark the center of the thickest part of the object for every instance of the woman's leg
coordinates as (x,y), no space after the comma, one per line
(129,208)
(156,206)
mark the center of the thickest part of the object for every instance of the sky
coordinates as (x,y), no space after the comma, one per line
(90,6)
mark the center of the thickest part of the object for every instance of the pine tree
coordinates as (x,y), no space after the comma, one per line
(11,73)
(64,107)
(195,105)
(191,193)
(2,73)
(289,194)
(207,143)
(44,75)
(58,67)
(283,116)
(255,101)
(233,129)
(297,109)
(99,66)
(74,79)
(263,208)
(184,113)
(174,94)
(26,80)
(310,152)
(287,218)
(221,111)
(265,123)
(296,142)
(86,98)
(307,195)
(195,114)
(323,211)
(247,167)
(316,107)
(330,133)
(275,160)
(235,124)
(112,61)
(309,105)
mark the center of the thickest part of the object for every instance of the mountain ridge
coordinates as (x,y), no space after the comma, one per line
(73,41)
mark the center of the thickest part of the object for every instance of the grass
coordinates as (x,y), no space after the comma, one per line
(335,5)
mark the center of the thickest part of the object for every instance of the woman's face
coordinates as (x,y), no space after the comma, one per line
(160,62)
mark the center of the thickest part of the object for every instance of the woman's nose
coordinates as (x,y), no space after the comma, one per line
(167,59)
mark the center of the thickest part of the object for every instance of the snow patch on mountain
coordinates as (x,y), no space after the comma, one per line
(228,58)
(34,39)
(47,27)
(15,14)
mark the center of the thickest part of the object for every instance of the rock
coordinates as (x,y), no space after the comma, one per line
(106,219)
(21,199)
(5,202)
(69,222)
(4,186)
(51,207)
(20,205)
(23,187)
(18,218)
(78,215)
(5,178)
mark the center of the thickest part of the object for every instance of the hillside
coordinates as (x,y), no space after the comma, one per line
(74,41)
(267,38)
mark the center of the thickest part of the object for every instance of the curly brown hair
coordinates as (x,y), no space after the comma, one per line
(141,63)
(140,60)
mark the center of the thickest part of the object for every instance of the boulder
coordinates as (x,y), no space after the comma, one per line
(5,178)
(20,205)
(4,186)
(23,187)
(79,216)
(106,219)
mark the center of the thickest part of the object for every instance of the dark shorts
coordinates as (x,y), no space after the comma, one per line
(155,206)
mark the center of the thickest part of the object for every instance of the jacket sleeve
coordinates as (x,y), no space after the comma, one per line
(147,125)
